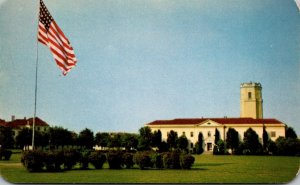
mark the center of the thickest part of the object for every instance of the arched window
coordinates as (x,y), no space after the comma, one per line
(208,134)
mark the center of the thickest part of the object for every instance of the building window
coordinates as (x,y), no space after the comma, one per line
(192,134)
(249,95)
(209,146)
(183,133)
(192,145)
(273,134)
(208,134)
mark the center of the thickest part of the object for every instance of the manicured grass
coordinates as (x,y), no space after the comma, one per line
(207,169)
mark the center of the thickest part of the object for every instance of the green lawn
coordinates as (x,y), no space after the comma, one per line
(207,169)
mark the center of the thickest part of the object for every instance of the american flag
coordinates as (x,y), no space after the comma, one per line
(298,4)
(52,36)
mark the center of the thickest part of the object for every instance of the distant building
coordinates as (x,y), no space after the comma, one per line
(251,117)
(18,124)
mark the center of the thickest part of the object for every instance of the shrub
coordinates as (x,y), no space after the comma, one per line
(157,160)
(199,148)
(84,159)
(6,154)
(97,159)
(53,160)
(288,146)
(172,160)
(187,161)
(114,159)
(143,159)
(240,149)
(128,160)
(71,157)
(33,160)
(219,148)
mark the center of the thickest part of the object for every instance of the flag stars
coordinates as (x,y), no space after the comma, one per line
(45,17)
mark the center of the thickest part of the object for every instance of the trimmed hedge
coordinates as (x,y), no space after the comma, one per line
(114,159)
(127,160)
(33,161)
(143,159)
(172,160)
(5,154)
(71,157)
(157,160)
(84,159)
(97,159)
(54,160)
(186,161)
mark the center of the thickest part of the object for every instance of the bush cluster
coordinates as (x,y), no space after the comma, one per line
(5,154)
(115,159)
(143,159)
(59,160)
(172,160)
(97,159)
(169,160)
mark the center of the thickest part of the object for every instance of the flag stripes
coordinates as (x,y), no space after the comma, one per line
(52,36)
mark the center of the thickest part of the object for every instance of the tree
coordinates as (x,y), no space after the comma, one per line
(287,146)
(59,136)
(265,138)
(219,148)
(6,137)
(199,144)
(232,139)
(182,142)
(156,139)
(172,139)
(145,138)
(271,147)
(217,136)
(41,139)
(102,139)
(86,138)
(24,138)
(251,142)
(129,141)
(115,141)
(290,133)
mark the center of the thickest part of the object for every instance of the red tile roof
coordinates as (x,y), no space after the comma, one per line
(194,121)
(2,123)
(24,122)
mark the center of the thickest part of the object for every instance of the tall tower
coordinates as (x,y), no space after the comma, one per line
(251,100)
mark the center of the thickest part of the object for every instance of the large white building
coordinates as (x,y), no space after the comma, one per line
(251,117)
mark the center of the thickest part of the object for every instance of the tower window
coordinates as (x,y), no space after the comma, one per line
(249,95)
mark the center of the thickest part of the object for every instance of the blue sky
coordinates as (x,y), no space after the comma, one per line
(140,61)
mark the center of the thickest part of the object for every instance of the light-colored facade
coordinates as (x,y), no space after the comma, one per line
(251,100)
(207,126)
(18,124)
(251,117)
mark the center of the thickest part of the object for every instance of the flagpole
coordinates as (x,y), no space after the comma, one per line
(36,79)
